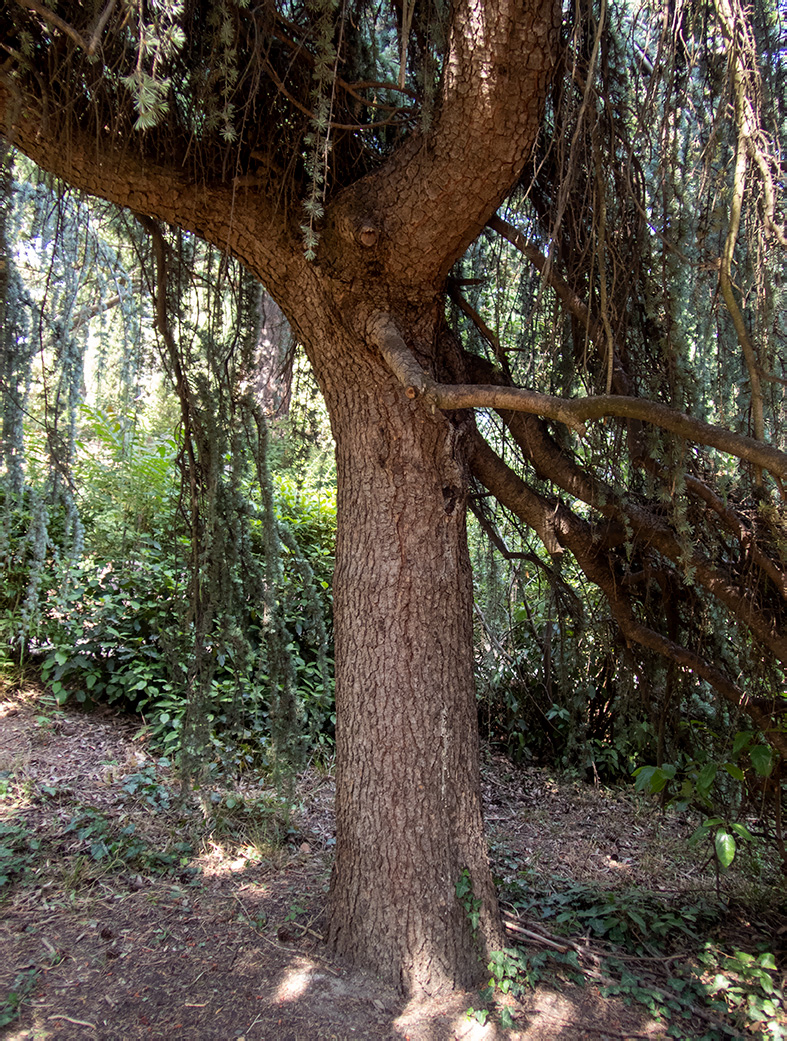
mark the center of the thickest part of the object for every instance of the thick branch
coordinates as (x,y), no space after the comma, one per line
(382,332)
(559,468)
(766,456)
(576,536)
(172,191)
(437,192)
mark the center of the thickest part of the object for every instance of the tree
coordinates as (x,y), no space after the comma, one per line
(350,155)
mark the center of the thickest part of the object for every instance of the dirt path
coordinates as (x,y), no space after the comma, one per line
(127,916)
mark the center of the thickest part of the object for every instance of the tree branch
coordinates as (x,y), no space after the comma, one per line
(556,466)
(435,194)
(55,21)
(576,535)
(382,331)
(108,165)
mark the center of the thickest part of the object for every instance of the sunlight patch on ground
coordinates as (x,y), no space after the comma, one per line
(469,1029)
(222,861)
(441,1013)
(296,981)
(554,1012)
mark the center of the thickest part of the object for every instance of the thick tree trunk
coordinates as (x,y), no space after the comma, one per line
(408,787)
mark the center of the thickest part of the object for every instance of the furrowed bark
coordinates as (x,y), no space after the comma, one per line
(408,806)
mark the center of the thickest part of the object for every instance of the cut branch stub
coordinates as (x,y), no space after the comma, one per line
(368,235)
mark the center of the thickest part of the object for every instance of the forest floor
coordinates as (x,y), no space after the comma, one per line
(126,914)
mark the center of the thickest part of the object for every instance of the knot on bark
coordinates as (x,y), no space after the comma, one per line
(368,235)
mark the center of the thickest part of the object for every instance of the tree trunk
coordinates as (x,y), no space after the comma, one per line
(407,787)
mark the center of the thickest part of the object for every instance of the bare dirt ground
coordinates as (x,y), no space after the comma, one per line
(126,914)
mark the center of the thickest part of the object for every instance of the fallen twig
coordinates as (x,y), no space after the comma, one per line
(598,977)
(306,929)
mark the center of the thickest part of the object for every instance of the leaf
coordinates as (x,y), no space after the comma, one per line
(638,920)
(743,831)
(706,777)
(742,738)
(653,777)
(506,1019)
(761,759)
(734,771)
(725,847)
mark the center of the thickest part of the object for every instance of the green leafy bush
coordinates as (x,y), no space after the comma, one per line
(119,632)
(716,786)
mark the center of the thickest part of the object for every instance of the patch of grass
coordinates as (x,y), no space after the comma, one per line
(260,821)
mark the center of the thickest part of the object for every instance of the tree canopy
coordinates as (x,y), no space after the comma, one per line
(535,258)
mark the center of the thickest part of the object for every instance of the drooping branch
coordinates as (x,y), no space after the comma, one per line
(575,535)
(572,302)
(382,331)
(551,463)
(727,292)
(733,524)
(652,531)
(746,87)
(509,487)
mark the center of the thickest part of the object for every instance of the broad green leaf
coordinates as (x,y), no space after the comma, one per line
(643,777)
(734,771)
(742,738)
(654,777)
(761,759)
(706,777)
(725,847)
(743,831)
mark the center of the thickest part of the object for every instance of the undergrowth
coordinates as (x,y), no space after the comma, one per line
(643,948)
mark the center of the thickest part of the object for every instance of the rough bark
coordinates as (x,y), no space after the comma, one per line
(407,805)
